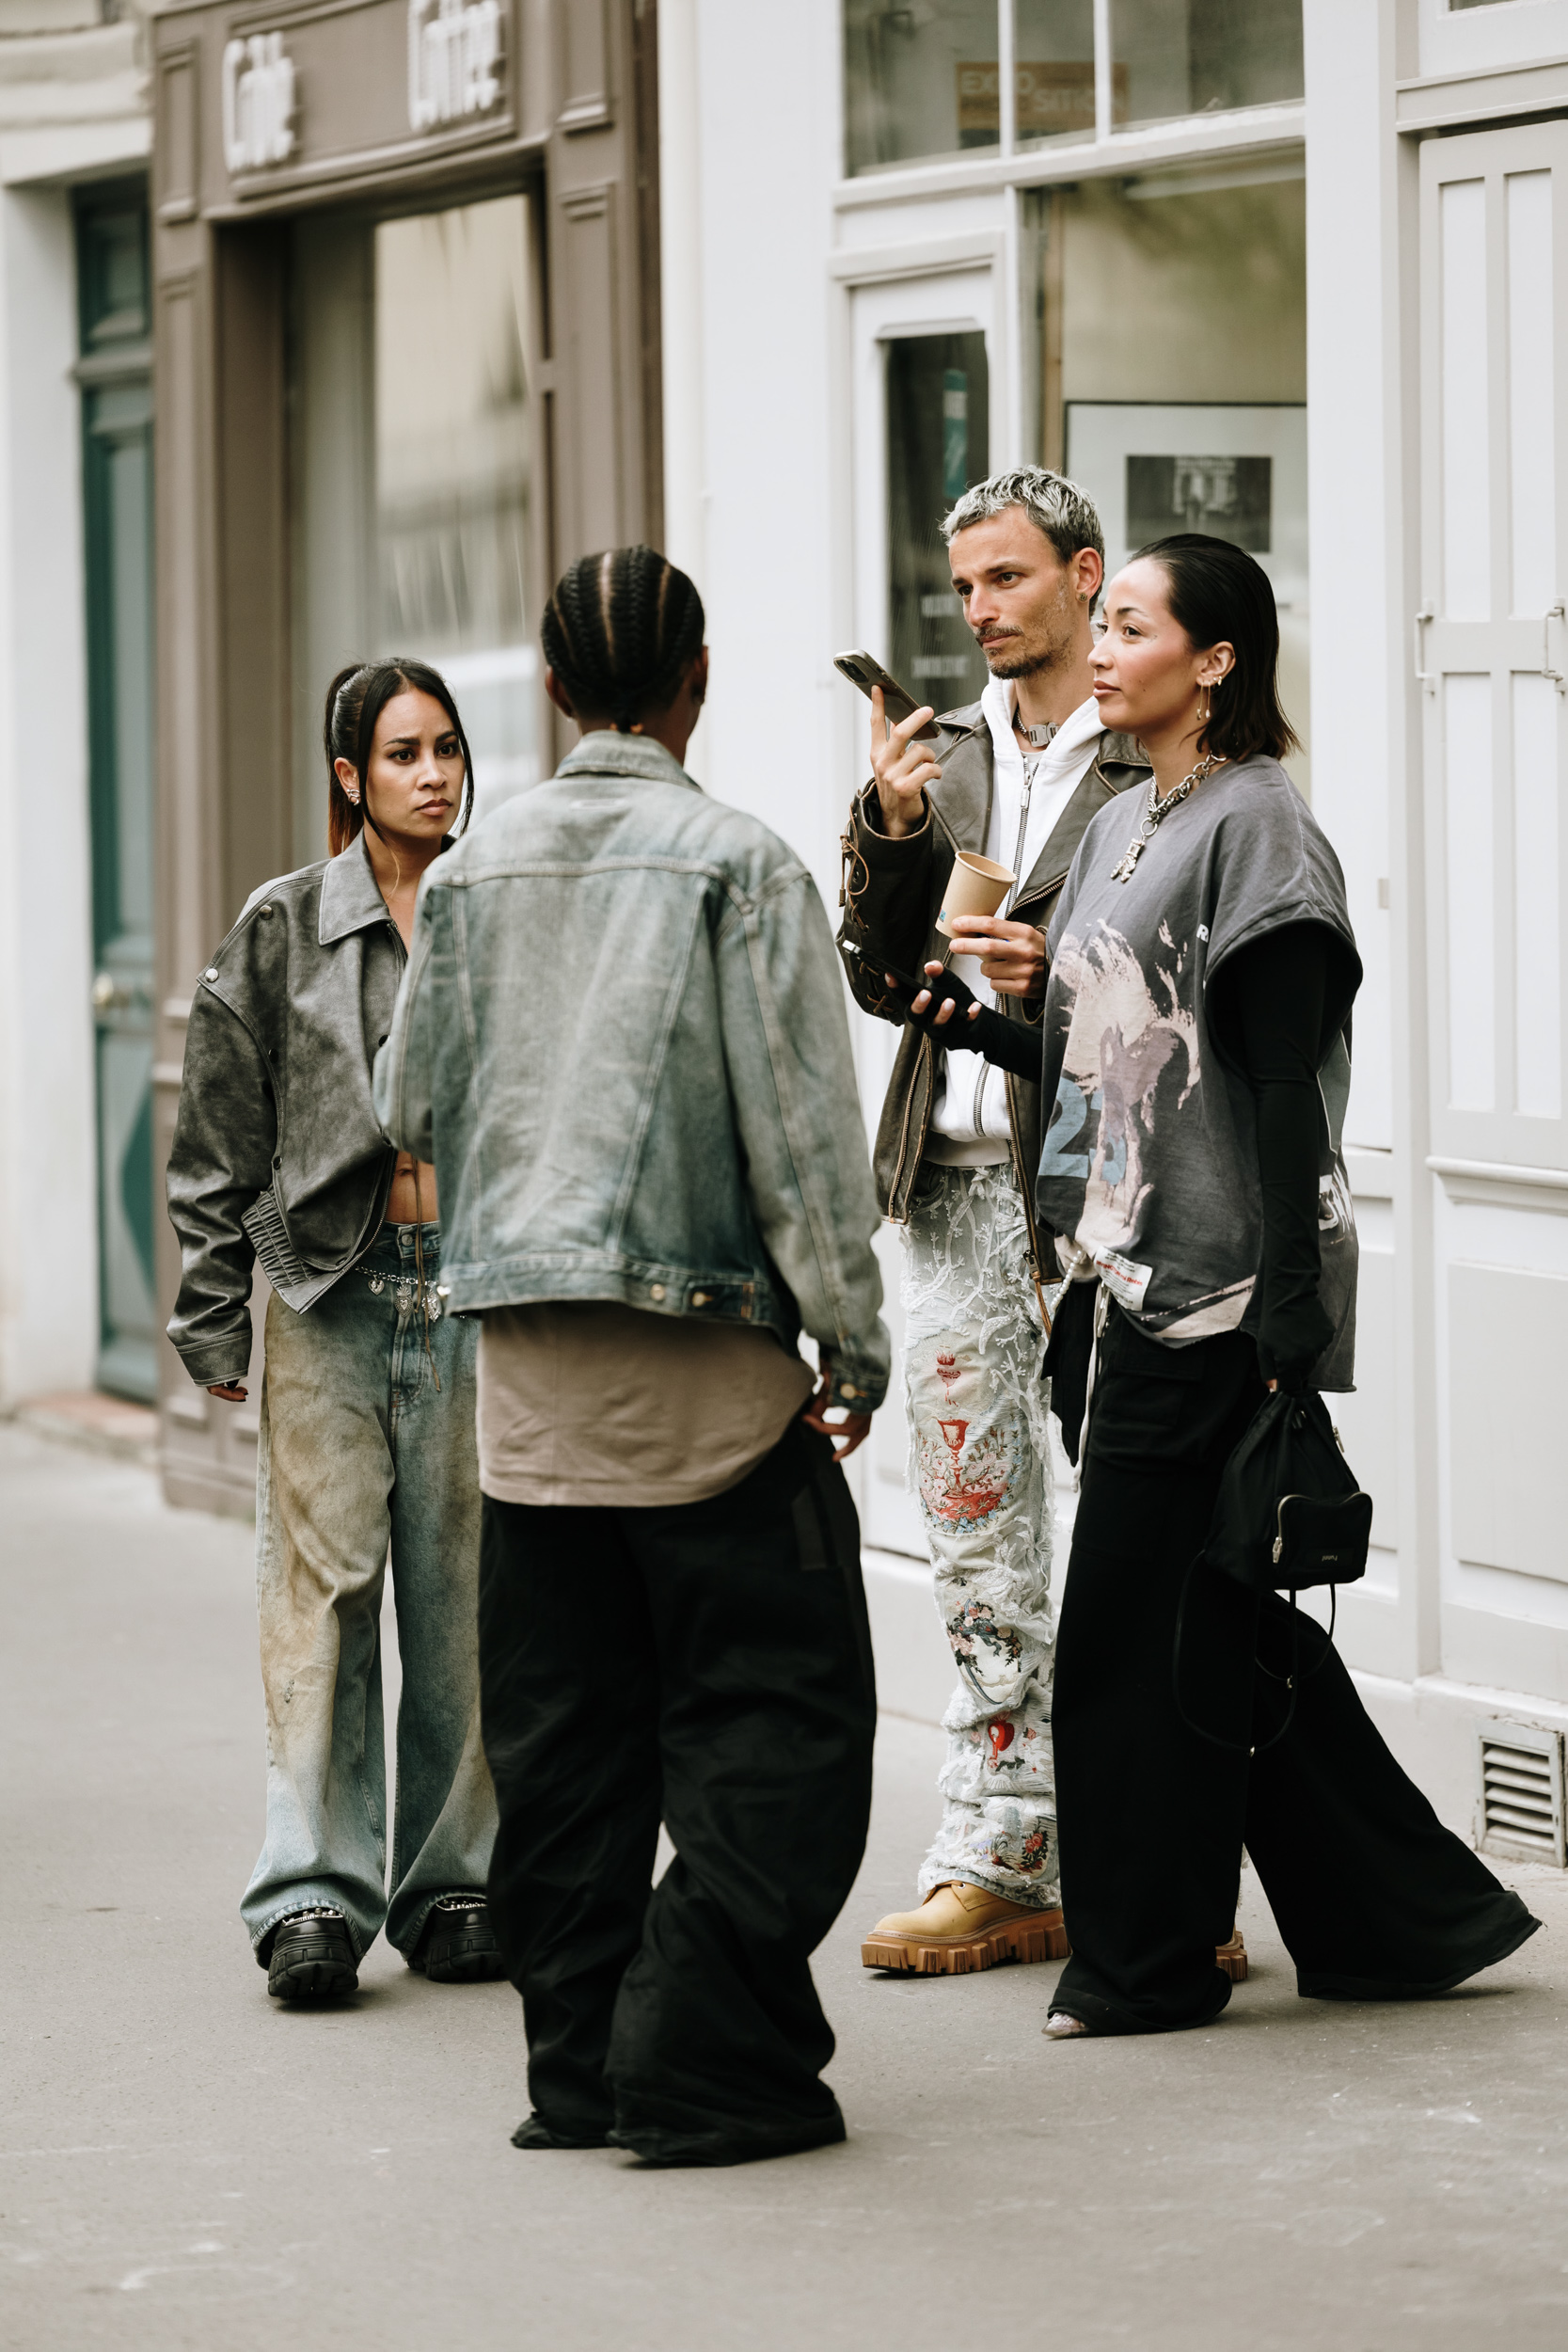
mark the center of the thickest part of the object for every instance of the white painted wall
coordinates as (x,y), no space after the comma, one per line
(750,152)
(48,1269)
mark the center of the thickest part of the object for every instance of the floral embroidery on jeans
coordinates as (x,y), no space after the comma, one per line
(979,1455)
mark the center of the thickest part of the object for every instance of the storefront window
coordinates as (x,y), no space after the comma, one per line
(411,475)
(1169,341)
(925,80)
(919,80)
(1199,57)
(1053,71)
(938,444)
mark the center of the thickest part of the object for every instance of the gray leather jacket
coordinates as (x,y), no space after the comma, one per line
(622,1041)
(277,1151)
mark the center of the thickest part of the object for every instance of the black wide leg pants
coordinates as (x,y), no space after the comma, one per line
(1374,1899)
(709,1665)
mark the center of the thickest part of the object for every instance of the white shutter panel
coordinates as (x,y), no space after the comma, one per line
(1491,644)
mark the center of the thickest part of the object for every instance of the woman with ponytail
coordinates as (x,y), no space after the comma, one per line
(367,1417)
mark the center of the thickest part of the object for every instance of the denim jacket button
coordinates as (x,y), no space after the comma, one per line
(441,1291)
(656,1290)
(210,973)
(699,1298)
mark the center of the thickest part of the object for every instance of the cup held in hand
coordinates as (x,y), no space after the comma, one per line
(976,885)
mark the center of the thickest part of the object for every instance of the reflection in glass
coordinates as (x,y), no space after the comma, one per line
(919,80)
(1053,71)
(938,445)
(410,468)
(1204,56)
(1166,327)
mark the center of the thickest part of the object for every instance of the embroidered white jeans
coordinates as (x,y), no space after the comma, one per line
(981,1464)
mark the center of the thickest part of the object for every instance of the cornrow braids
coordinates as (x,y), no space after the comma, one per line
(620,631)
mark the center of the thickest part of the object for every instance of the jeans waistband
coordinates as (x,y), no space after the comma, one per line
(393,1248)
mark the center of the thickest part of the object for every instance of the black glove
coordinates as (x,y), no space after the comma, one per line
(1007,1044)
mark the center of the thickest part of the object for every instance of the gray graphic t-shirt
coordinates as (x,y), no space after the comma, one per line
(1149,1166)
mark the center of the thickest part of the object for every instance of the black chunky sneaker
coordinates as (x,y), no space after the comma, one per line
(457,1944)
(311,1957)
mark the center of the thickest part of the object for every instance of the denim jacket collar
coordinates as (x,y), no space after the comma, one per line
(350,896)
(606,753)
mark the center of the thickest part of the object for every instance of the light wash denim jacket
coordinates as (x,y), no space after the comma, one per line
(622,1039)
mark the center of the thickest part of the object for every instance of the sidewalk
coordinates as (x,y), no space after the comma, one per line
(185,2165)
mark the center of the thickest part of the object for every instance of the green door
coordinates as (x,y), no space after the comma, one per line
(115,374)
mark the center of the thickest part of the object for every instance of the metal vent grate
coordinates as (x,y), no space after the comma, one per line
(1521,1793)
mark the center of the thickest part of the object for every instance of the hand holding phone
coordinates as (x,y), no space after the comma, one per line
(864,670)
(901,763)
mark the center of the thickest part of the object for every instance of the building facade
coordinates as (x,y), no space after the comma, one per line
(405,265)
(76,1156)
(1293,271)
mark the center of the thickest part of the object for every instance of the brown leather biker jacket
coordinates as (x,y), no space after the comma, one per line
(892,894)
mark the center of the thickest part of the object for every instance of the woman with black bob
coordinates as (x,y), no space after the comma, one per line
(367,1415)
(1196,1044)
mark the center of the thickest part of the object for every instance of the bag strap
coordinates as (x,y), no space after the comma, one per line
(1291,1682)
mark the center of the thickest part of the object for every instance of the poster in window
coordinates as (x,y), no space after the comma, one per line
(1238,473)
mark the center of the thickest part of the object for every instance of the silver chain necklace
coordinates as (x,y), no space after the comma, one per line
(1158,810)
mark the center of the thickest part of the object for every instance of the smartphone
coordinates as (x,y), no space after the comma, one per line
(861,670)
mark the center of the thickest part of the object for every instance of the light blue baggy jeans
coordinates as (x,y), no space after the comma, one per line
(360,1451)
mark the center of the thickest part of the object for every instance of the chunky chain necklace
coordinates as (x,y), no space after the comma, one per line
(1158,810)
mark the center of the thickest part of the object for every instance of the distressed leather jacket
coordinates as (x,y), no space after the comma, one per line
(622,1039)
(277,1152)
(892,895)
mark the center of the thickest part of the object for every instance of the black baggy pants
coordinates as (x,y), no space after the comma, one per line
(710,1665)
(1373,1898)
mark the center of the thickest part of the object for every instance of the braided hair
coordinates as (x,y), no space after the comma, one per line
(355,701)
(620,631)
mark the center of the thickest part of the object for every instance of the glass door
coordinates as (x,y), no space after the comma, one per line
(923,433)
(413,523)
(115,374)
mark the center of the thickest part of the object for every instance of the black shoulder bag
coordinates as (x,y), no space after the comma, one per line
(1289,1515)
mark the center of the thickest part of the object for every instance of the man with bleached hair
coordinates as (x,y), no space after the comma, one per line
(1016,776)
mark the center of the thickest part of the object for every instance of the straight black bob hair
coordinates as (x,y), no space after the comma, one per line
(1218,595)
(355,701)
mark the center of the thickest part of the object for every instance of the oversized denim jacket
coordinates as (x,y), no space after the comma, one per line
(622,1039)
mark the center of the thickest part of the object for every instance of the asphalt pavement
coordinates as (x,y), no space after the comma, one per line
(186,2164)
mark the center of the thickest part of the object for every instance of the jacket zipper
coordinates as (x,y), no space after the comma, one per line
(980,1083)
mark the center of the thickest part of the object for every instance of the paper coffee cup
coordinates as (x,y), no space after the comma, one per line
(976,885)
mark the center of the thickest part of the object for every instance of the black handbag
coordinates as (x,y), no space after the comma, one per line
(1289,1515)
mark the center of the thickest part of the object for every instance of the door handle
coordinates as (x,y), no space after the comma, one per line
(1425,678)
(1554,612)
(109,994)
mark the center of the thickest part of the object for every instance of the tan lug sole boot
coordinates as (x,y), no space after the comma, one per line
(1232,1956)
(960,1929)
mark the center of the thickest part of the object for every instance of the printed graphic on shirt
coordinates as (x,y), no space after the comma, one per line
(1130,1067)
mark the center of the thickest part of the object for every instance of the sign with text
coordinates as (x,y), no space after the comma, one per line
(1049,96)
(454,55)
(258,102)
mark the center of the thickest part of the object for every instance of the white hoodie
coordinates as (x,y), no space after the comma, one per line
(969,1122)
